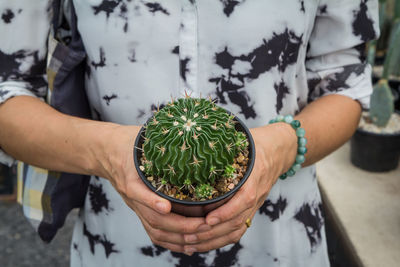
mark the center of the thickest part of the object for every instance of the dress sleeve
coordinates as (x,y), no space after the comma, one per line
(336,50)
(24,28)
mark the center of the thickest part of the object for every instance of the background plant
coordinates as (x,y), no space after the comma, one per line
(388,45)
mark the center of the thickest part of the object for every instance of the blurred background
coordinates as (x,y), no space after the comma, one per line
(360,183)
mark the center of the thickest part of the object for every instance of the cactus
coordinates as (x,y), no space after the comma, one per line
(192,142)
(385,24)
(392,60)
(381,103)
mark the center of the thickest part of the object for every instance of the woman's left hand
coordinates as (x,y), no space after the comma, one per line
(276,148)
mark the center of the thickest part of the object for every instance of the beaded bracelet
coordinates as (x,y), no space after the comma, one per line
(301,143)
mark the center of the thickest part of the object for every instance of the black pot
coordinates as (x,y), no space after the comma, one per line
(197,208)
(375,152)
(396,94)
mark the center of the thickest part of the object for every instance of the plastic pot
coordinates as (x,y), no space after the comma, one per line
(197,208)
(375,152)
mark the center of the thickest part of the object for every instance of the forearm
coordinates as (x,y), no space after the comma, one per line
(329,122)
(35,133)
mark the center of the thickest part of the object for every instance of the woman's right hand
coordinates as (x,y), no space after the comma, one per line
(115,163)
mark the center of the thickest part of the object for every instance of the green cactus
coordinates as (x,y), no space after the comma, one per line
(385,24)
(382,105)
(191,142)
(371,52)
(204,191)
(392,60)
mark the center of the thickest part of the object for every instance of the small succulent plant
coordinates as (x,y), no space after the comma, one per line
(192,142)
(382,105)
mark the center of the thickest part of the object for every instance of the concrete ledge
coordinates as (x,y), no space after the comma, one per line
(365,208)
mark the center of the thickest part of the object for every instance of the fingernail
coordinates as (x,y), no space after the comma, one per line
(190,238)
(161,207)
(189,251)
(204,227)
(213,221)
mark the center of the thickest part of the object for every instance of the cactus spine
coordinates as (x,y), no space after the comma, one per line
(192,142)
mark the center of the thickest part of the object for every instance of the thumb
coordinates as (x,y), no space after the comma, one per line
(142,194)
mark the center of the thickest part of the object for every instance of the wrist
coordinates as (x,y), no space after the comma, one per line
(112,146)
(286,146)
(277,146)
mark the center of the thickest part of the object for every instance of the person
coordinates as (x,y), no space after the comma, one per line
(257,58)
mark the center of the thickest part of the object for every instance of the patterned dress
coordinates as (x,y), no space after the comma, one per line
(258,58)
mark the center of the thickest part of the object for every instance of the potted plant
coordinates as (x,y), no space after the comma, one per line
(195,154)
(389,20)
(375,145)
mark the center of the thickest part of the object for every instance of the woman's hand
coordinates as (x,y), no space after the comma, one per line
(276,148)
(163,227)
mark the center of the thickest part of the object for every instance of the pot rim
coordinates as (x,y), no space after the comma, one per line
(249,169)
(378,134)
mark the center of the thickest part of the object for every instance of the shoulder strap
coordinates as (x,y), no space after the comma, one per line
(57,15)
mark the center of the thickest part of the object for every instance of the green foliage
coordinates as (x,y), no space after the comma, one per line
(385,24)
(381,106)
(392,60)
(204,191)
(371,52)
(229,171)
(191,141)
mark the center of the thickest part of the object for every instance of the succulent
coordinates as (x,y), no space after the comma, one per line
(382,105)
(192,142)
(392,60)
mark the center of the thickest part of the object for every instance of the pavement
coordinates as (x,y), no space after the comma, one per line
(364,207)
(20,246)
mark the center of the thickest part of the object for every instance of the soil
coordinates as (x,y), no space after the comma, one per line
(222,185)
(392,127)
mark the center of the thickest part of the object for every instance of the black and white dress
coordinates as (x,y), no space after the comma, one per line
(258,58)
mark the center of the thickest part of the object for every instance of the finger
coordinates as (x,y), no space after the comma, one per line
(136,190)
(172,247)
(218,230)
(243,200)
(161,236)
(172,222)
(219,242)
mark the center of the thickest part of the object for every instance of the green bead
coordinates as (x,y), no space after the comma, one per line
(272,121)
(302,141)
(300,159)
(290,172)
(296,167)
(288,119)
(295,124)
(300,132)
(279,118)
(301,150)
(283,176)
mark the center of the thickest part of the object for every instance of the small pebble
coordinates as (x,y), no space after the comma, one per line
(231,186)
(240,158)
(141,168)
(150,178)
